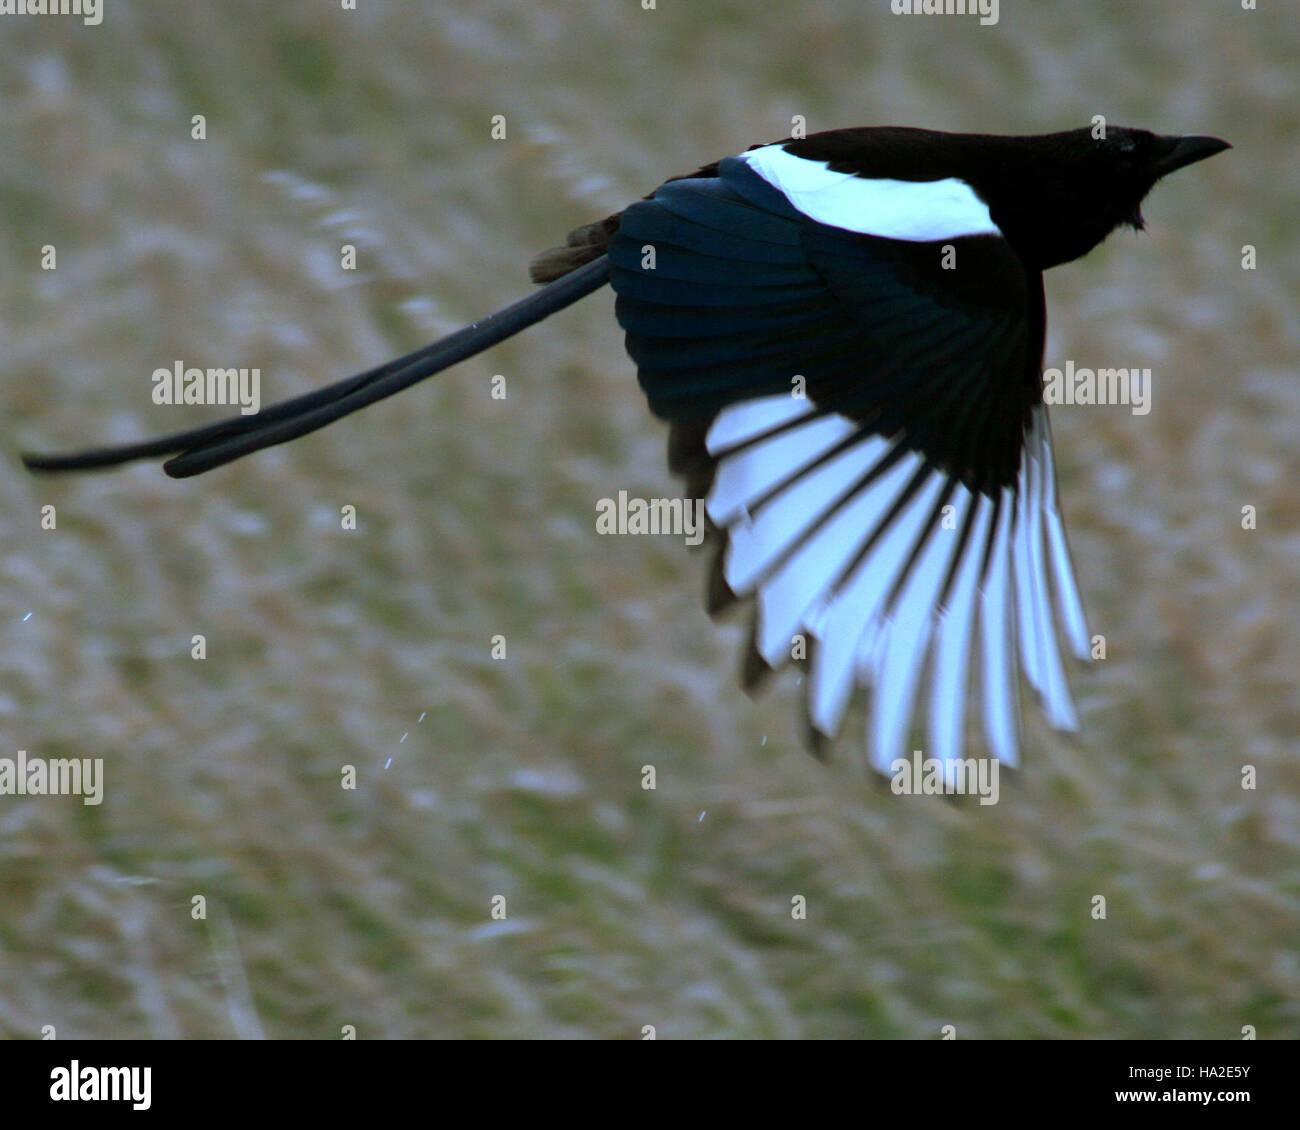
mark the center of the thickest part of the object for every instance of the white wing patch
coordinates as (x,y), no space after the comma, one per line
(885,562)
(917,211)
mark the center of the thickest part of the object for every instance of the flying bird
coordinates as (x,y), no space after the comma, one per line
(844,333)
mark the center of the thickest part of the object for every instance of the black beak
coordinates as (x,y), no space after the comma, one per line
(1176,152)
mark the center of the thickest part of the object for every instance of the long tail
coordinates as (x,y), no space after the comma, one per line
(202,449)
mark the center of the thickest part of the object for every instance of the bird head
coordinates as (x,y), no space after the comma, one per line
(1060,196)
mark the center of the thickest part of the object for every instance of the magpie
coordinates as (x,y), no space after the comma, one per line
(844,333)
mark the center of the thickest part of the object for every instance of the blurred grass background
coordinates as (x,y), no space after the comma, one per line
(625,907)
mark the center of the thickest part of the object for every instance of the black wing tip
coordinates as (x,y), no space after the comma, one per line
(818,744)
(754,669)
(718,595)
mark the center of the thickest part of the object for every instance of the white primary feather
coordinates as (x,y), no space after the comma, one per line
(802,493)
(1001,703)
(907,635)
(753,470)
(839,626)
(952,643)
(756,545)
(749,418)
(1067,590)
(788,596)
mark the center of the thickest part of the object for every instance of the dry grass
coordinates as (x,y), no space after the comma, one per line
(626,908)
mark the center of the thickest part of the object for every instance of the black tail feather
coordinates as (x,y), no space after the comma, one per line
(202,449)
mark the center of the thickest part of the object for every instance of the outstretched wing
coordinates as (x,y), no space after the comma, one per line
(851,371)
